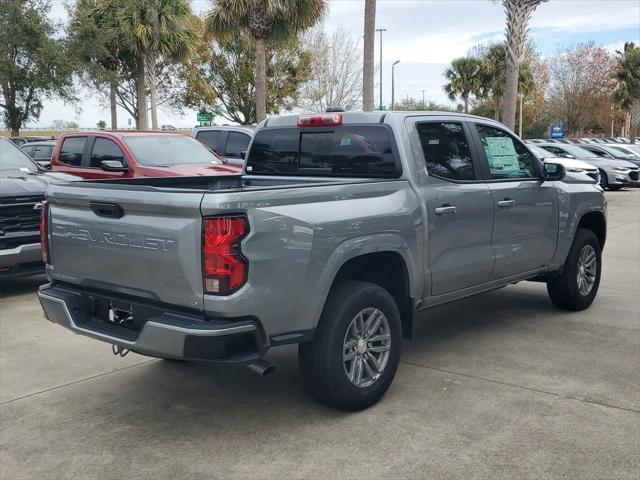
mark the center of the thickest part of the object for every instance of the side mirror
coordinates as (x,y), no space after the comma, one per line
(243,153)
(553,172)
(44,164)
(113,166)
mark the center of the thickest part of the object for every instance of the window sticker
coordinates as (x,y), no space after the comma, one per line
(501,155)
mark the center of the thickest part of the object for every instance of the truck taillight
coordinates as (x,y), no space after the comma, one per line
(224,269)
(44,231)
(321,120)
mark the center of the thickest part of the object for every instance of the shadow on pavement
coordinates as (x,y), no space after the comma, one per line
(22,285)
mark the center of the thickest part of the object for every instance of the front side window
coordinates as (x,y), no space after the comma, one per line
(237,145)
(42,152)
(71,151)
(105,149)
(446,151)
(507,158)
(28,150)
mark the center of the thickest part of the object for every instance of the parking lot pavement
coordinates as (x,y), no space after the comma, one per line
(501,385)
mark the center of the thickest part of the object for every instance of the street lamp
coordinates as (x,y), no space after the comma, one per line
(381,30)
(393,84)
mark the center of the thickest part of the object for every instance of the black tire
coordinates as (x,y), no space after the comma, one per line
(563,289)
(604,180)
(322,366)
(616,188)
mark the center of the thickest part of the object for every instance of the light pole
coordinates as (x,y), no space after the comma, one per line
(520,126)
(381,30)
(423,99)
(393,84)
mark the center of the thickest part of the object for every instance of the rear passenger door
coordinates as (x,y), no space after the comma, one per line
(70,157)
(525,230)
(458,202)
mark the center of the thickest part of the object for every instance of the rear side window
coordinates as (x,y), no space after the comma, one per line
(347,151)
(28,150)
(446,151)
(211,138)
(105,149)
(71,151)
(237,145)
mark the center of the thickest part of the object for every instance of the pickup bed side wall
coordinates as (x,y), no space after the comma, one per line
(300,239)
(574,201)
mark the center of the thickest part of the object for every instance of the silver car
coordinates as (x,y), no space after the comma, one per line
(576,169)
(614,174)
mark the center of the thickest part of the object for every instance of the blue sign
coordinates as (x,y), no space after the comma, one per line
(556,130)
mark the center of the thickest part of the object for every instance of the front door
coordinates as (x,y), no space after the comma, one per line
(459,206)
(525,231)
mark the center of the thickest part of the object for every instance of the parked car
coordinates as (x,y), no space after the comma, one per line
(22,187)
(614,174)
(40,151)
(574,168)
(343,226)
(19,141)
(102,155)
(229,141)
(613,151)
(168,128)
(627,149)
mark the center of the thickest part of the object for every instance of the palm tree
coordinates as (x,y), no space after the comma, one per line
(464,76)
(151,29)
(628,92)
(368,57)
(518,14)
(265,21)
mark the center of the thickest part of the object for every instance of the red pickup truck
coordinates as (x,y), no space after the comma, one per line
(102,155)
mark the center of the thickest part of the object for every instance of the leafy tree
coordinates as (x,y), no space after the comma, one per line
(264,22)
(368,55)
(581,85)
(410,104)
(464,79)
(149,30)
(221,78)
(518,14)
(101,124)
(34,64)
(336,75)
(627,92)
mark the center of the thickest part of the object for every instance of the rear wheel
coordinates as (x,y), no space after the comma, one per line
(355,353)
(577,286)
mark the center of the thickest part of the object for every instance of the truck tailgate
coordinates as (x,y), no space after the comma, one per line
(145,243)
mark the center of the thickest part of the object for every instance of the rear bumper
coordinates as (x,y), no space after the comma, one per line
(161,333)
(21,261)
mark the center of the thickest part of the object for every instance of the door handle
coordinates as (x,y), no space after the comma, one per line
(506,203)
(446,210)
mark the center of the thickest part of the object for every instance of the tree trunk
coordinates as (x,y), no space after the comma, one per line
(368,55)
(465,98)
(141,120)
(151,71)
(496,112)
(113,106)
(634,119)
(261,80)
(15,132)
(510,95)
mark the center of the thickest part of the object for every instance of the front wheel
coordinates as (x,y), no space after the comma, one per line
(604,180)
(356,349)
(577,286)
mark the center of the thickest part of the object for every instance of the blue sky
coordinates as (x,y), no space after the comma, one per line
(425,35)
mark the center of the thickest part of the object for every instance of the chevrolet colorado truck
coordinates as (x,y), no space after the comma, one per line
(341,227)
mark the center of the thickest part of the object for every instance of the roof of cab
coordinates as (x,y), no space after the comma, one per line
(365,117)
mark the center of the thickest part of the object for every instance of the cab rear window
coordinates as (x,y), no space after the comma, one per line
(346,151)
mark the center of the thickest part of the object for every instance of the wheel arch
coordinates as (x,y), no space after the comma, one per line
(597,223)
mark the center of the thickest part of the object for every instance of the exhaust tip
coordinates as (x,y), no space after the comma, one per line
(262,367)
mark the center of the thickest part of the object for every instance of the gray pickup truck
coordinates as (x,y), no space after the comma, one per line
(341,227)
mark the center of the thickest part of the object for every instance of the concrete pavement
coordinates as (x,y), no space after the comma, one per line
(501,385)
